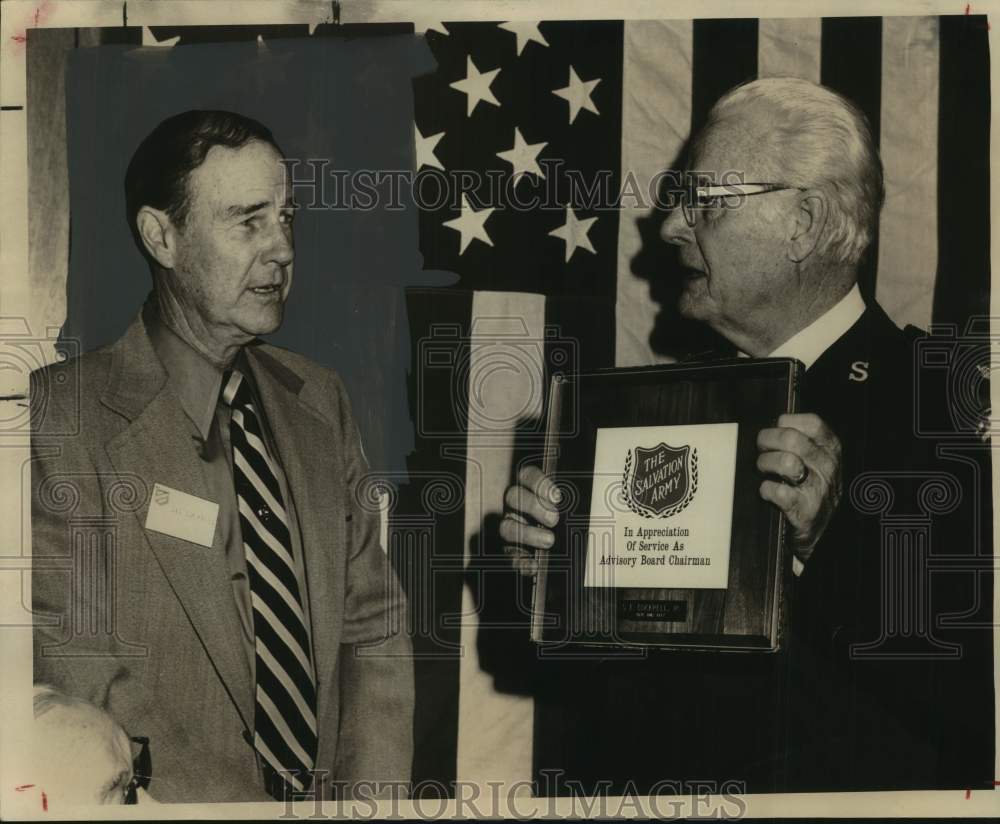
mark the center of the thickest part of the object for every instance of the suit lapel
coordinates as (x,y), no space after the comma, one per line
(157,446)
(308,457)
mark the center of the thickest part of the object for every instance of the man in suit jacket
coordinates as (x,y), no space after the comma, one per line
(772,265)
(227,596)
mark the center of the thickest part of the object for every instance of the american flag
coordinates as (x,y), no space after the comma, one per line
(620,99)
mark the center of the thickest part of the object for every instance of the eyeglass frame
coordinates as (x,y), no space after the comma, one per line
(142,771)
(739,190)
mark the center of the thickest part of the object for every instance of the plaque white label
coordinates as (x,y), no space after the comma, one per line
(661,510)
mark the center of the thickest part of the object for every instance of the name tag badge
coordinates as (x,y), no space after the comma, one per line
(175,513)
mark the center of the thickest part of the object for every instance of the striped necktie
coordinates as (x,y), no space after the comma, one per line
(285,732)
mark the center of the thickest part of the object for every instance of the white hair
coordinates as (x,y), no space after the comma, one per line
(45,697)
(821,141)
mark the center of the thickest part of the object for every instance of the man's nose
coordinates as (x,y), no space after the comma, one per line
(281,249)
(675,229)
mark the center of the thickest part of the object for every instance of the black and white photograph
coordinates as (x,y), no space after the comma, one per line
(431,409)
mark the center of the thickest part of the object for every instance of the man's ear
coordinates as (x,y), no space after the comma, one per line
(809,221)
(158,235)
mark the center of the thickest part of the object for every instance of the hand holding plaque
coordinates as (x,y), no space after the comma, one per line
(805,453)
(668,535)
(801,450)
(530,512)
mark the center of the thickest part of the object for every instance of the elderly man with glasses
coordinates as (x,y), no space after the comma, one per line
(82,756)
(788,187)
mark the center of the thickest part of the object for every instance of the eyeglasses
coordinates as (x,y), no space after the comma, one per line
(142,771)
(715,197)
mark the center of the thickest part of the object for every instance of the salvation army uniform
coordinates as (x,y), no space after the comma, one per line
(155,622)
(866,718)
(810,717)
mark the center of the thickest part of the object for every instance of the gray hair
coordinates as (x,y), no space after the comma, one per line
(822,141)
(45,697)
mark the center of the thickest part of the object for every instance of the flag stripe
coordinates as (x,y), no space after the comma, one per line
(789,47)
(584,324)
(507,383)
(908,250)
(656,111)
(963,278)
(851,63)
(433,578)
(724,54)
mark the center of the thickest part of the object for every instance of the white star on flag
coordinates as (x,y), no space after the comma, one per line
(574,232)
(577,93)
(525,31)
(425,149)
(149,39)
(423,26)
(476,86)
(470,225)
(523,157)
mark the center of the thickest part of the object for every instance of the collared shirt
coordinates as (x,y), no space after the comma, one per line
(197,383)
(808,344)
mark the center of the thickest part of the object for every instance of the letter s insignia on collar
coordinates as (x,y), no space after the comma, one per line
(859,371)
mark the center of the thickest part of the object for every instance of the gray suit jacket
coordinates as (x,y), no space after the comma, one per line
(145,624)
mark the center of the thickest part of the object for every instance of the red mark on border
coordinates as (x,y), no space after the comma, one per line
(968,8)
(22,787)
(968,794)
(45,802)
(41,14)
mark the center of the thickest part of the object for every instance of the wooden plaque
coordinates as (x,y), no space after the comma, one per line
(663,538)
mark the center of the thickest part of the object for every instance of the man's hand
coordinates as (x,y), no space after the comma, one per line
(529,515)
(803,450)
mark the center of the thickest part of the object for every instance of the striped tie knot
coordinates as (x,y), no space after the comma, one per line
(235,392)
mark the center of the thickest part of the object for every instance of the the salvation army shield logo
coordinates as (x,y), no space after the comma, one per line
(660,481)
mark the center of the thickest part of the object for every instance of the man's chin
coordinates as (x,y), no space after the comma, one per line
(264,323)
(690,305)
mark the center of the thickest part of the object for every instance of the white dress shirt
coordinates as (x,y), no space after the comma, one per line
(809,343)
